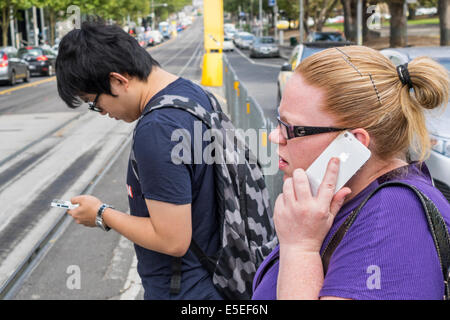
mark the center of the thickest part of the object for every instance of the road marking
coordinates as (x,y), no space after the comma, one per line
(32,84)
(194,55)
(257,63)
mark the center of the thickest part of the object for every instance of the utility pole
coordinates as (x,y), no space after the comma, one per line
(300,21)
(153,16)
(260,19)
(275,19)
(359,22)
(12,29)
(44,36)
(153,11)
(35,28)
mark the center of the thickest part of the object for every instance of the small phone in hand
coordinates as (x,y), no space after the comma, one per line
(352,155)
(57,203)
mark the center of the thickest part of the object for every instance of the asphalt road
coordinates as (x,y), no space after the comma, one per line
(259,76)
(81,263)
(51,151)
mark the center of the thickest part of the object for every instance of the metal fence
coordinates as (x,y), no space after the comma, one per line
(247,114)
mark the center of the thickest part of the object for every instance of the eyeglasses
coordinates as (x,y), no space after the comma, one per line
(290,132)
(93,105)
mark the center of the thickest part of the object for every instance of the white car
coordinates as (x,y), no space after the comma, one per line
(157,36)
(244,40)
(437,122)
(228,44)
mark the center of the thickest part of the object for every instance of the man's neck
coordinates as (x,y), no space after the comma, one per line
(156,81)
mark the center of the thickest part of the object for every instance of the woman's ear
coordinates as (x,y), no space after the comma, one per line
(362,135)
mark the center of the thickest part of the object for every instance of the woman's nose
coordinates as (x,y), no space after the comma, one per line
(276,137)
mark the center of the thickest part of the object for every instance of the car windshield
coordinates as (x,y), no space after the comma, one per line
(328,37)
(438,119)
(309,51)
(445,63)
(266,40)
(31,52)
(247,37)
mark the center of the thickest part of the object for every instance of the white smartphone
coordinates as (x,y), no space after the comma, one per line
(351,153)
(63,204)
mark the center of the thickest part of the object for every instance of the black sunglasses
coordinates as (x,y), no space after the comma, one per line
(93,105)
(290,132)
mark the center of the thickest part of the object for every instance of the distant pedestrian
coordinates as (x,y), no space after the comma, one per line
(170,204)
(389,251)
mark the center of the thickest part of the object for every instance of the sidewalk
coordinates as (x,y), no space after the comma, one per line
(418,36)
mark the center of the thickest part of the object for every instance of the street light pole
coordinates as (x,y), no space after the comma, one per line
(260,19)
(35,28)
(153,11)
(300,21)
(153,16)
(359,22)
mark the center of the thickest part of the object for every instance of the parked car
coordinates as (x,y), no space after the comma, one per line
(142,40)
(228,44)
(325,36)
(438,123)
(264,47)
(244,40)
(11,67)
(157,37)
(40,60)
(301,52)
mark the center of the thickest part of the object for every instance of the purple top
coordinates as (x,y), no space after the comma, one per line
(388,253)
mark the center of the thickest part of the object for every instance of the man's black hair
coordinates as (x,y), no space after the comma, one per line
(88,55)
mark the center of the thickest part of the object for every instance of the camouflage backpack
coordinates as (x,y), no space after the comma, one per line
(247,233)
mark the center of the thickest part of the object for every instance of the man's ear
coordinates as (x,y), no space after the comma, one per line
(119,81)
(362,135)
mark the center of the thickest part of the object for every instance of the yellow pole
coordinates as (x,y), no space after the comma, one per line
(212,73)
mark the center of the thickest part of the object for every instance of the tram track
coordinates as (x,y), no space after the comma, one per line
(189,57)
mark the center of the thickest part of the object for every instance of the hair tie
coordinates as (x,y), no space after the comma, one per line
(403,74)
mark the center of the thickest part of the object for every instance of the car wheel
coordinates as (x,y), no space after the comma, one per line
(12,80)
(27,77)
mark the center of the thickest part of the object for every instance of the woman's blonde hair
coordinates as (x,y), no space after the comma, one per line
(364,90)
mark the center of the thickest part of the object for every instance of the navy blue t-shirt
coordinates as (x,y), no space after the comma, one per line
(163,180)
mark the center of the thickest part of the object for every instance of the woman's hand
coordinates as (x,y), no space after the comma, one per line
(86,212)
(301,220)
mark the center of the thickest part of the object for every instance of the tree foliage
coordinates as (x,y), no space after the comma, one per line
(116,10)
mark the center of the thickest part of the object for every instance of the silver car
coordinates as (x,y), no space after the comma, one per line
(244,40)
(11,67)
(264,47)
(438,122)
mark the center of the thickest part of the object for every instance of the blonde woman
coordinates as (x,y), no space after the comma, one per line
(388,252)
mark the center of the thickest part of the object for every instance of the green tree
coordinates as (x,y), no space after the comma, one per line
(9,10)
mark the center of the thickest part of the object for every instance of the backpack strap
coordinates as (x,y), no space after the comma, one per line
(183,103)
(435,222)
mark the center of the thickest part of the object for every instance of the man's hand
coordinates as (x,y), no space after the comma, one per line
(86,213)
